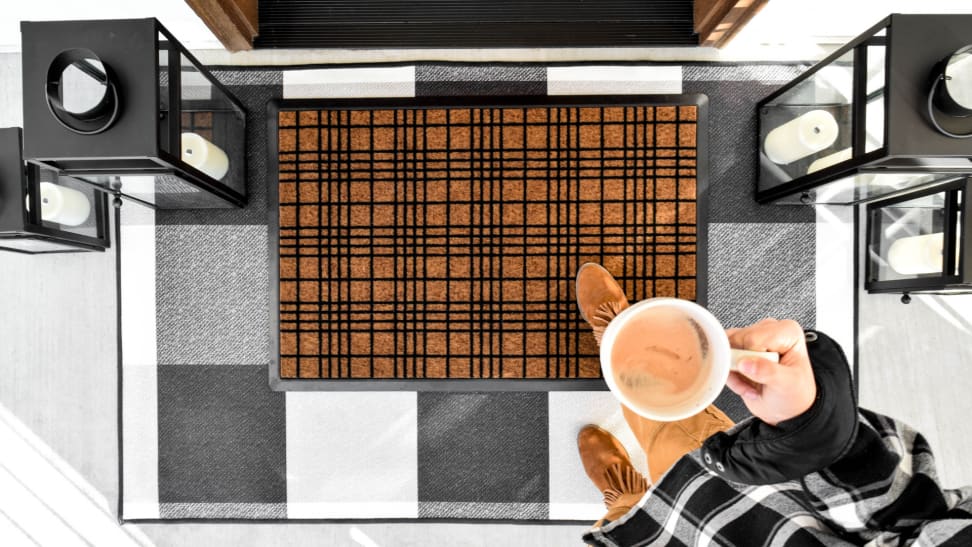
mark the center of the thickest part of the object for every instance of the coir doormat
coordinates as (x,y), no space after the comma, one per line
(441,242)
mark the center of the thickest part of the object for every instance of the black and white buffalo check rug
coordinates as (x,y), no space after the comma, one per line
(204,437)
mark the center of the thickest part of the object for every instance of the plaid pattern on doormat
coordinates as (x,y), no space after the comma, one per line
(441,242)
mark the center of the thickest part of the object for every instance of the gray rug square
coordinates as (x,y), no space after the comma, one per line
(759,270)
(213,295)
(222,440)
(483,454)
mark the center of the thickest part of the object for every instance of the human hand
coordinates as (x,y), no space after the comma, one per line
(773,392)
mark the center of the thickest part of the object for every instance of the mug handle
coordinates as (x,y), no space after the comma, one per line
(736,355)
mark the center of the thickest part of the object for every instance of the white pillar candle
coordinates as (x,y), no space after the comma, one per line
(800,137)
(204,155)
(62,205)
(917,255)
(829,159)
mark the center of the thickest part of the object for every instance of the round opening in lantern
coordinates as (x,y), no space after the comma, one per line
(956,96)
(80,92)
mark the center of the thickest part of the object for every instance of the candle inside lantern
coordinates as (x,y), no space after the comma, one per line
(828,160)
(204,155)
(918,255)
(800,137)
(62,205)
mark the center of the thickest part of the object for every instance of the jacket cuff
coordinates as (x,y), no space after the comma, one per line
(757,453)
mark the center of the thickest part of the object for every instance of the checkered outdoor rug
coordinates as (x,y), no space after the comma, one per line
(205,437)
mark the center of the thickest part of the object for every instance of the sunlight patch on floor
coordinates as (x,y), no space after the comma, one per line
(48,502)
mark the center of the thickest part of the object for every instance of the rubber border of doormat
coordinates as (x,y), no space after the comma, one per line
(276,106)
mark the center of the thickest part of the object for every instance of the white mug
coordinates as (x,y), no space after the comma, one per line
(714,350)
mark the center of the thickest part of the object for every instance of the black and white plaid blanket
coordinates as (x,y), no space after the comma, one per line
(884,491)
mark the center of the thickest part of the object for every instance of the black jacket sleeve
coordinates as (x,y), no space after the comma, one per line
(757,453)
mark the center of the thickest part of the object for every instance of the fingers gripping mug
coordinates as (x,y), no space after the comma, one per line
(668,359)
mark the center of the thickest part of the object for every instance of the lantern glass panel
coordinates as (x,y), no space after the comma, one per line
(66,204)
(808,127)
(211,127)
(957,267)
(908,239)
(33,245)
(164,78)
(163,190)
(875,92)
(864,186)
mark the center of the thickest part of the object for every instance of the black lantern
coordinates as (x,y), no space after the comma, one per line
(122,105)
(855,127)
(44,212)
(920,242)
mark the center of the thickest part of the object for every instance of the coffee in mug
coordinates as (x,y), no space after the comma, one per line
(660,357)
(668,359)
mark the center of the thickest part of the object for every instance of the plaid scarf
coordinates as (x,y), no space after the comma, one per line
(884,491)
